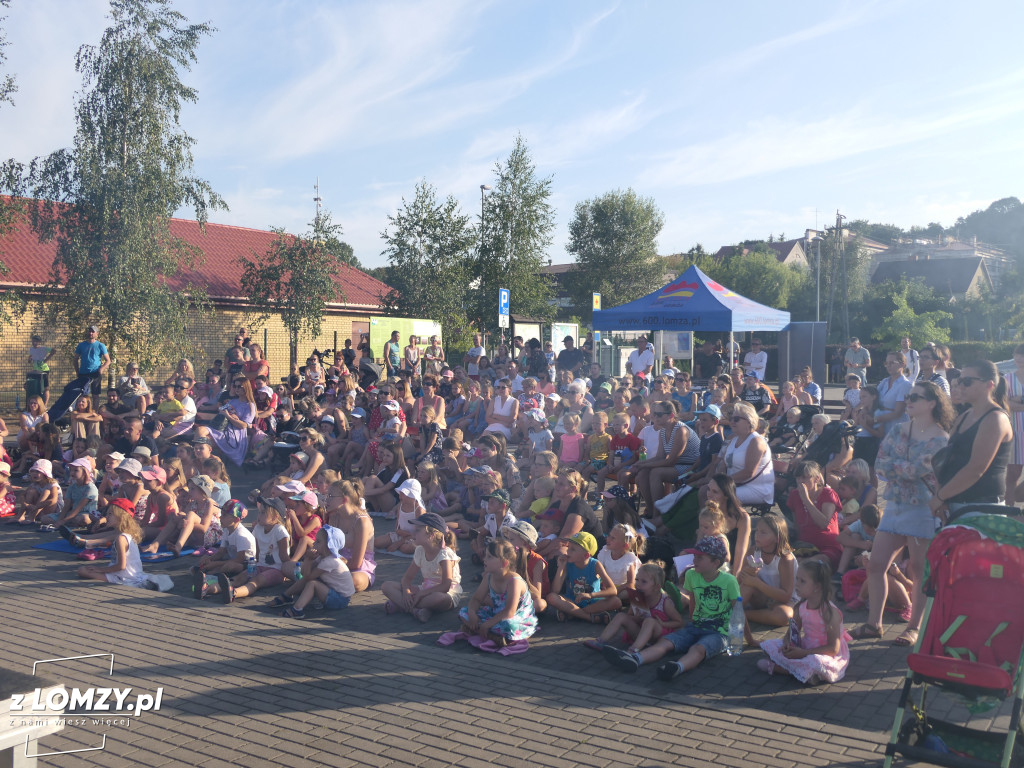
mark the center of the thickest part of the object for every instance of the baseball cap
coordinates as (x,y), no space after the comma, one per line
(448,374)
(358,413)
(537,414)
(617,492)
(606,386)
(327,418)
(277,504)
(116,456)
(154,473)
(94,329)
(502,495)
(204,483)
(712,546)
(202,440)
(749,375)
(712,410)
(301,456)
(431,520)
(555,397)
(306,498)
(124,504)
(142,450)
(585,540)
(525,530)
(390,405)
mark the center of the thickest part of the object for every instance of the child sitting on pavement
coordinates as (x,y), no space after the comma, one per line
(271,552)
(437,562)
(711,594)
(620,557)
(652,612)
(237,546)
(330,580)
(581,588)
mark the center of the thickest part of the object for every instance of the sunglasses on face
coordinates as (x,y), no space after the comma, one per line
(735,419)
(966,381)
(913,397)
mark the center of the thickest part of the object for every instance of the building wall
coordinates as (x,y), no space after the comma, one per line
(212,336)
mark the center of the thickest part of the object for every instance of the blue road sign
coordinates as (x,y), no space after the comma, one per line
(503,301)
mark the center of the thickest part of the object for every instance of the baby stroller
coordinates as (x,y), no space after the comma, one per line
(803,426)
(971,645)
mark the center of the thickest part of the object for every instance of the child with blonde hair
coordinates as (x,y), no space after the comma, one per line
(125,559)
(501,609)
(436,560)
(619,556)
(652,612)
(712,522)
(570,449)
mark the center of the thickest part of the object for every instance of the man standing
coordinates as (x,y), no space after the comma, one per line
(392,354)
(858,360)
(756,360)
(913,359)
(570,358)
(92,360)
(641,359)
(472,357)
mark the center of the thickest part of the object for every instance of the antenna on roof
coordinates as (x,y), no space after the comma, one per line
(317,199)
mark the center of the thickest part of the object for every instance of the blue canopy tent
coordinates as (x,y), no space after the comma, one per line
(692,302)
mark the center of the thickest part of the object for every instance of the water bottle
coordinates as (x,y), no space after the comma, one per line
(643,453)
(736,623)
(251,567)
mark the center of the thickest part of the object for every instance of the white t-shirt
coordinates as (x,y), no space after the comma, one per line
(336,575)
(517,384)
(431,569)
(640,361)
(651,439)
(189,407)
(267,543)
(756,362)
(239,540)
(473,369)
(617,568)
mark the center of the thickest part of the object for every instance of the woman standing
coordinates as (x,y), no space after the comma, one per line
(411,355)
(433,357)
(892,392)
(905,461)
(980,443)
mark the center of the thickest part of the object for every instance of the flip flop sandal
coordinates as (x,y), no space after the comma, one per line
(604,617)
(293,613)
(866,632)
(906,638)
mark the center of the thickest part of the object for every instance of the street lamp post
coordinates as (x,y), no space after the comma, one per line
(817,280)
(483,188)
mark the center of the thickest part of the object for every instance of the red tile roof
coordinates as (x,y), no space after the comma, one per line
(29,261)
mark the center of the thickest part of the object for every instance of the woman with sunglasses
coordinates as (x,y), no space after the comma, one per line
(240,411)
(678,449)
(980,443)
(905,462)
(503,410)
(747,459)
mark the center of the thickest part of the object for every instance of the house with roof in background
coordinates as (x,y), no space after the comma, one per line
(29,263)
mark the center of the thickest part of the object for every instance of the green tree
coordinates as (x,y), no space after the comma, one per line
(297,277)
(614,238)
(514,236)
(108,200)
(12,209)
(904,321)
(429,247)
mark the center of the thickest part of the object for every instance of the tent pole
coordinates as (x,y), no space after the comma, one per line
(731,342)
(659,347)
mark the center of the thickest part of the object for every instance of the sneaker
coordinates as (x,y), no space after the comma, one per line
(594,643)
(199,587)
(620,659)
(669,670)
(227,592)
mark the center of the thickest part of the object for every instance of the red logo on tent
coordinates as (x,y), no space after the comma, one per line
(726,293)
(680,288)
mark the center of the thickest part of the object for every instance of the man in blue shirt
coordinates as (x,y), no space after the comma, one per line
(92,360)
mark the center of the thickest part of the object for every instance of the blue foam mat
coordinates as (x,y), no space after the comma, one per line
(60,545)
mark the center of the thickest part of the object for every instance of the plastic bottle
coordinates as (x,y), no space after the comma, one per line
(251,566)
(736,623)
(643,453)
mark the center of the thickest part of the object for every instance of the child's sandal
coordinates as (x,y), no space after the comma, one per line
(866,632)
(603,617)
(293,613)
(281,600)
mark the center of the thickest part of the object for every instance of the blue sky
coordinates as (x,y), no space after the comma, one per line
(740,119)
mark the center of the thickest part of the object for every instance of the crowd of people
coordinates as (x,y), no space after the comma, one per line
(645,503)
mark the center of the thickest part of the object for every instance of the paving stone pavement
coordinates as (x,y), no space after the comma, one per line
(243,686)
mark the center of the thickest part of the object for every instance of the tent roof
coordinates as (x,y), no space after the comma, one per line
(692,302)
